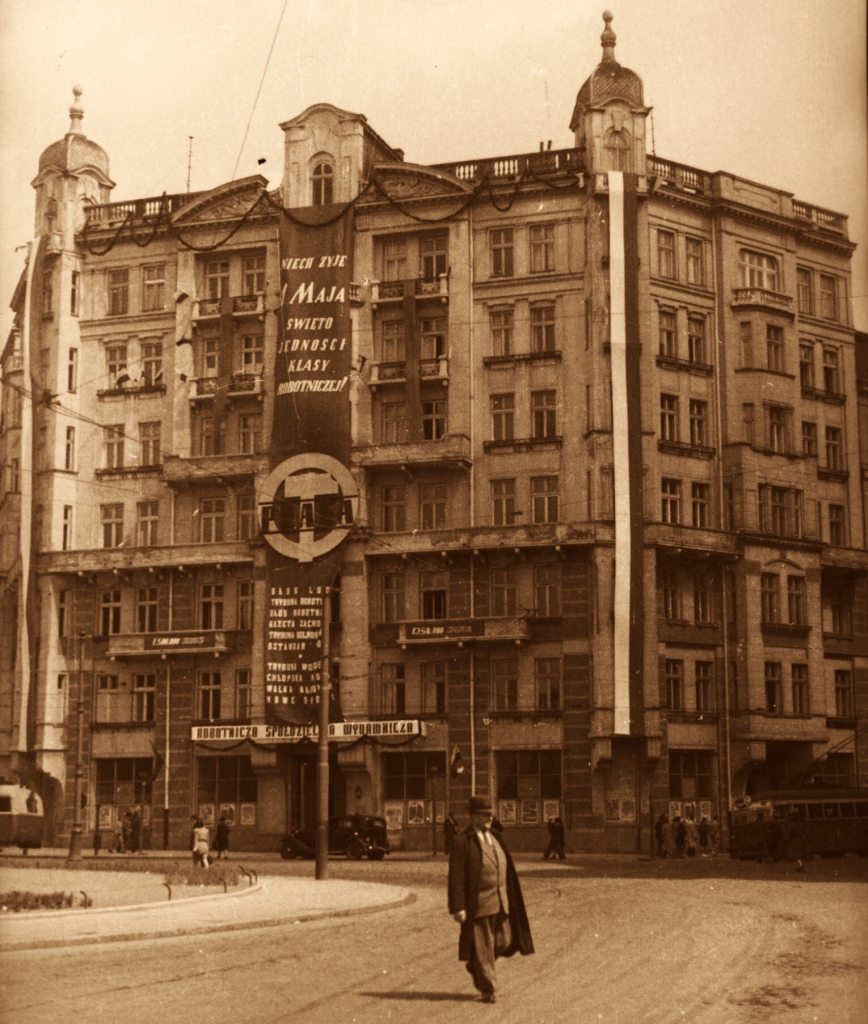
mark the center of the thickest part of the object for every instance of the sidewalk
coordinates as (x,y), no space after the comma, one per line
(270,901)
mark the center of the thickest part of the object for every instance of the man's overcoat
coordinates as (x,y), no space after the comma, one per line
(465,872)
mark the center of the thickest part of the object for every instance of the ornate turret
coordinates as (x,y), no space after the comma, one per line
(609,116)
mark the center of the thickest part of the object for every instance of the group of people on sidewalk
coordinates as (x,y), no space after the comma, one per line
(200,842)
(682,837)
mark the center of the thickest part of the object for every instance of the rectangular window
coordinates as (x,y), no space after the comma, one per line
(433,589)
(547,683)
(804,291)
(433,337)
(211,606)
(153,287)
(691,775)
(146,609)
(504,679)
(806,366)
(666,254)
(112,519)
(834,448)
(667,331)
(671,595)
(801,695)
(210,356)
(434,420)
(433,675)
(745,334)
(66,532)
(210,685)
(698,423)
(809,438)
(113,439)
(503,502)
(144,697)
(243,693)
(149,439)
(69,449)
(106,682)
(770,597)
(75,293)
(544,498)
(843,694)
(797,601)
(245,606)
(695,265)
(432,256)
(501,252)
(704,692)
(837,526)
(841,603)
(542,248)
(774,704)
(212,436)
(542,329)
(781,511)
(116,363)
(152,364)
(828,297)
(670,492)
(831,376)
(118,292)
(696,347)
(253,275)
(529,776)
(674,684)
(393,684)
(249,433)
(774,347)
(544,414)
(226,780)
(702,598)
(248,525)
(699,502)
(503,591)
(432,506)
(394,422)
(394,505)
(501,325)
(395,259)
(758,270)
(503,417)
(110,612)
(547,590)
(668,418)
(48,292)
(147,520)
(217,279)
(252,346)
(779,420)
(393,597)
(212,513)
(72,371)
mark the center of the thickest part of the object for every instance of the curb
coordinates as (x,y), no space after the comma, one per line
(170,933)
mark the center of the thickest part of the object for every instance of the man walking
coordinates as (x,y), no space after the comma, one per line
(485,898)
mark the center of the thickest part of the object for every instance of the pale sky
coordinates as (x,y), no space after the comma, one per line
(773,91)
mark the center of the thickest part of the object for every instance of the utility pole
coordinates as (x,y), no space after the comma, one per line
(75,837)
(322,752)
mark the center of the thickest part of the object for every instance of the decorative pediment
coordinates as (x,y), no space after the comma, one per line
(226,202)
(414,181)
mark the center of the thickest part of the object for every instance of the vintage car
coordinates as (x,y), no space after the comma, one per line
(355,835)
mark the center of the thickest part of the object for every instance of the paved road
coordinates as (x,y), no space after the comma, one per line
(746,946)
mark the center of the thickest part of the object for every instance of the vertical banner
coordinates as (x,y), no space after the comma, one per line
(310,498)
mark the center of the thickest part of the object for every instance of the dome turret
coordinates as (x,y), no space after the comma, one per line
(75,151)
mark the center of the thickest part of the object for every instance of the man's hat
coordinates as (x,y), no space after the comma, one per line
(479,803)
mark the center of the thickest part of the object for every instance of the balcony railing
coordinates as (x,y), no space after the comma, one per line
(239,384)
(558,161)
(393,291)
(688,178)
(107,214)
(817,217)
(762,297)
(206,308)
(453,449)
(394,372)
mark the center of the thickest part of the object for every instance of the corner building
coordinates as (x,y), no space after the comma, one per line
(609,550)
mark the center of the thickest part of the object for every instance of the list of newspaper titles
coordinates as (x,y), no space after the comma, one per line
(294,646)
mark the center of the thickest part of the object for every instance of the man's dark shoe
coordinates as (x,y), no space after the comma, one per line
(488,997)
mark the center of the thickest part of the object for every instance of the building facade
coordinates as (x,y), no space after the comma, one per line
(608,549)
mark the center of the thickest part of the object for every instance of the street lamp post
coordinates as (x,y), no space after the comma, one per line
(77,828)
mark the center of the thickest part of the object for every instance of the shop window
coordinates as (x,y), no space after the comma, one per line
(691,775)
(406,774)
(121,783)
(226,786)
(529,783)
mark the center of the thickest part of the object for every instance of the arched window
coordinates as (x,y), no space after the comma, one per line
(758,270)
(323,182)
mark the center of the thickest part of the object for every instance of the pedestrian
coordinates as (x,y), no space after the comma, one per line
(714,835)
(451,828)
(550,848)
(485,899)
(118,835)
(559,839)
(668,837)
(702,829)
(221,839)
(201,844)
(97,842)
(658,834)
(680,835)
(690,837)
(127,832)
(135,832)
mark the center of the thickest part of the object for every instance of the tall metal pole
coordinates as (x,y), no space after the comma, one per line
(75,837)
(322,752)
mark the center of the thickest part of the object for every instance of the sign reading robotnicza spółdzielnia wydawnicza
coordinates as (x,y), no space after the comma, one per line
(310,496)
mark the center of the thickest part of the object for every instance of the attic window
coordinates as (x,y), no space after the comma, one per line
(322,179)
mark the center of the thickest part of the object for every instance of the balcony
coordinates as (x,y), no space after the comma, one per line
(240,385)
(762,298)
(242,305)
(689,179)
(111,214)
(518,446)
(450,631)
(558,161)
(452,451)
(185,642)
(119,562)
(824,220)
(178,471)
(396,373)
(395,291)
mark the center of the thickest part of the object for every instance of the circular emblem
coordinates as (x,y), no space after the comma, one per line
(314,502)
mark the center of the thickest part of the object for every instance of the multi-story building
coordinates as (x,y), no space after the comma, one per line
(607,546)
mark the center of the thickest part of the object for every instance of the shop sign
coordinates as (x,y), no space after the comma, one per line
(289,733)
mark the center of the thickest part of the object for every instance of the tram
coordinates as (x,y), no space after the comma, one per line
(22,820)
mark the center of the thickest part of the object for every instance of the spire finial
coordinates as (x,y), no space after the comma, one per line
(76,111)
(608,37)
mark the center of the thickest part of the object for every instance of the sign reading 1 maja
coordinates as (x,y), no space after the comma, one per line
(310,496)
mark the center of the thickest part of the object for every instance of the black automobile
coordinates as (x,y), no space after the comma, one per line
(355,835)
